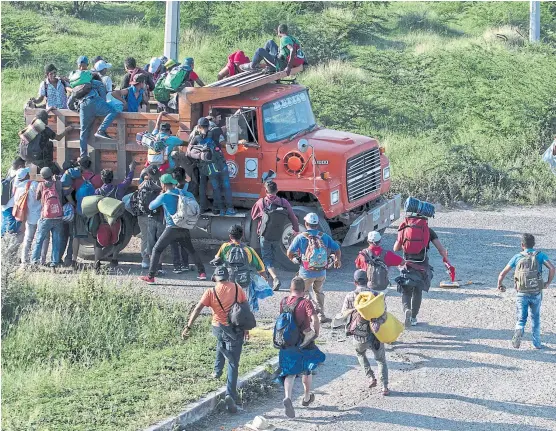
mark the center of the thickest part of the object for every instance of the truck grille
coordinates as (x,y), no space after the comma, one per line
(363,174)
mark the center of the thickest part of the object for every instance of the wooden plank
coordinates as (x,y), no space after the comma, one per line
(61,144)
(121,149)
(203,94)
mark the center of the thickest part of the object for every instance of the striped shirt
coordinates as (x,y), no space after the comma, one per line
(55,96)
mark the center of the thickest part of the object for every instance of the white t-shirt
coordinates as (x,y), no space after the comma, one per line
(107,81)
(33,205)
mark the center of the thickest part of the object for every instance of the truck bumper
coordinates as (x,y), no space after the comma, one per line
(377,218)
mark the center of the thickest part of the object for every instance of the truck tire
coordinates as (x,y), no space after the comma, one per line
(87,245)
(287,234)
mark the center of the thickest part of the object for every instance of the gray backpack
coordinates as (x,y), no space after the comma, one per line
(238,264)
(239,315)
(527,276)
(377,271)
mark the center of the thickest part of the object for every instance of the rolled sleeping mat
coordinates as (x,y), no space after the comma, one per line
(390,330)
(111,208)
(369,305)
(413,205)
(89,205)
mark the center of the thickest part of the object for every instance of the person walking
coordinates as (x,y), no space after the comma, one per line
(310,250)
(272,212)
(169,201)
(366,340)
(229,339)
(529,284)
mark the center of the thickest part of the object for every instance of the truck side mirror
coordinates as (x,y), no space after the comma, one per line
(232,129)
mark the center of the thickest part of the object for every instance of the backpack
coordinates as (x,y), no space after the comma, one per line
(19,210)
(527,276)
(51,204)
(299,54)
(80,77)
(188,212)
(238,263)
(315,257)
(31,151)
(80,91)
(240,315)
(7,189)
(272,221)
(414,235)
(86,189)
(176,77)
(286,332)
(357,326)
(377,271)
(145,195)
(161,93)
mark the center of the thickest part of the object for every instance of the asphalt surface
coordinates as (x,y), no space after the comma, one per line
(456,370)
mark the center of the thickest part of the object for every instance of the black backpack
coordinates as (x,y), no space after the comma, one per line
(377,271)
(7,189)
(240,315)
(272,221)
(145,195)
(238,264)
(32,151)
(357,326)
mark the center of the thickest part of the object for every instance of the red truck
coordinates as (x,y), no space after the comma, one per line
(271,132)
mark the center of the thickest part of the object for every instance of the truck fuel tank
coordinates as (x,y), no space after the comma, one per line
(217,227)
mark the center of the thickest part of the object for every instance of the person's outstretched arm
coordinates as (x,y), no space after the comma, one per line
(551,272)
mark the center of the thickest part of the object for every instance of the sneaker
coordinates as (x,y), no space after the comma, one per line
(216,375)
(216,212)
(67,263)
(324,319)
(516,339)
(230,404)
(145,264)
(222,213)
(407,321)
(74,265)
(103,135)
(247,67)
(147,279)
(413,321)
(114,263)
(179,270)
(202,276)
(161,272)
(276,284)
(230,212)
(538,346)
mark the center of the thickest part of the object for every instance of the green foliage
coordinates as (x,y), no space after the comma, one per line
(16,37)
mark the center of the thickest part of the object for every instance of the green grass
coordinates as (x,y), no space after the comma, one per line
(82,354)
(463,103)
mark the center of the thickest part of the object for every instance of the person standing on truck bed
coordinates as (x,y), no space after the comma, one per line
(134,96)
(313,248)
(169,201)
(131,69)
(272,212)
(53,89)
(286,57)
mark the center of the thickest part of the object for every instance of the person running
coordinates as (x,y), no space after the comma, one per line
(272,212)
(367,341)
(53,89)
(295,360)
(229,340)
(310,250)
(416,276)
(375,261)
(169,201)
(529,284)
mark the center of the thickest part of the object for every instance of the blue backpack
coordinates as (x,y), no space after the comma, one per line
(86,189)
(286,331)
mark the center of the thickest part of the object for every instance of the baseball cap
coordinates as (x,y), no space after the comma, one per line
(165,126)
(167,179)
(374,236)
(311,218)
(169,64)
(203,122)
(82,59)
(220,274)
(360,277)
(46,172)
(154,64)
(22,173)
(101,65)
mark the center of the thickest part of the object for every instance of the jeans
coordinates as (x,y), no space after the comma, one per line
(143,222)
(170,235)
(220,183)
(9,223)
(316,283)
(155,228)
(380,358)
(44,227)
(523,303)
(411,300)
(179,255)
(269,53)
(228,349)
(89,109)
(268,248)
(30,230)
(67,243)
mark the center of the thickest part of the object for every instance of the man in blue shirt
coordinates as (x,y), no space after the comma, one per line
(528,284)
(168,199)
(310,251)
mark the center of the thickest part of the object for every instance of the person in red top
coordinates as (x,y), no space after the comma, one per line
(271,238)
(229,340)
(235,60)
(390,258)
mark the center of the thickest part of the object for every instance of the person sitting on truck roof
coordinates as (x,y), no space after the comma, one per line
(272,211)
(131,69)
(155,68)
(289,54)
(135,96)
(235,60)
(54,89)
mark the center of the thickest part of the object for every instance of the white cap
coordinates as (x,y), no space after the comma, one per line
(22,173)
(374,236)
(101,65)
(311,218)
(154,64)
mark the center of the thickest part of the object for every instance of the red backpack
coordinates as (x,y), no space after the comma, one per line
(51,205)
(414,235)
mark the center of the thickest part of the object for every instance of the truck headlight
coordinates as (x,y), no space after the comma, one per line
(335,197)
(386,173)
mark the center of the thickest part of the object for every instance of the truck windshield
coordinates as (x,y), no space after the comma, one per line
(286,116)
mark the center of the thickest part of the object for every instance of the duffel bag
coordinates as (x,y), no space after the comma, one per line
(89,205)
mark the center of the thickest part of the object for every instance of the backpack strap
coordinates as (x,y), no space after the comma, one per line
(218,299)
(290,308)
(237,290)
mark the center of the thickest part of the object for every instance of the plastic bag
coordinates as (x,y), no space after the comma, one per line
(549,156)
(261,287)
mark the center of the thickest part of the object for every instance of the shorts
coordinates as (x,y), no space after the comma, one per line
(268,249)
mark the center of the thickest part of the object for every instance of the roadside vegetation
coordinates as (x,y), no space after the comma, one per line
(463,103)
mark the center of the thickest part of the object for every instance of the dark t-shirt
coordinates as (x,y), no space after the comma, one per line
(303,311)
(46,145)
(127,77)
(421,256)
(218,160)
